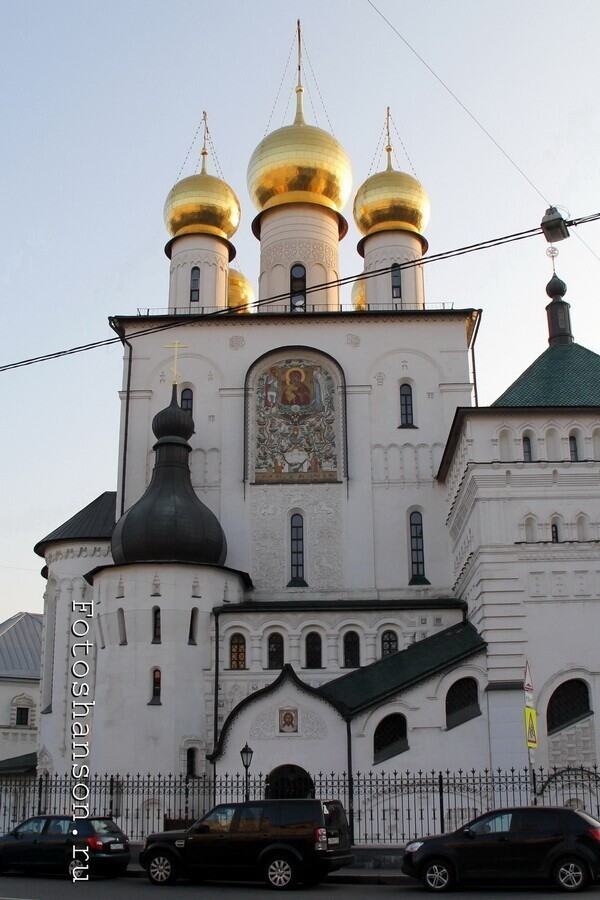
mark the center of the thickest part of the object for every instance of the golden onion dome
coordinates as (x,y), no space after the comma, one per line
(359,295)
(240,293)
(202,204)
(391,201)
(299,163)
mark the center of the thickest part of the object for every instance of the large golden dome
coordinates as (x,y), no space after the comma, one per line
(202,204)
(299,163)
(240,293)
(391,201)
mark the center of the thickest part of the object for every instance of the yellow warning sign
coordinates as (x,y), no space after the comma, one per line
(531,727)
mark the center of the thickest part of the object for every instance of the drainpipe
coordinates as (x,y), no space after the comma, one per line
(350,779)
(216,704)
(473,339)
(120,331)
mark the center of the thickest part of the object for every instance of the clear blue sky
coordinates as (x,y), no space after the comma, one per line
(100,101)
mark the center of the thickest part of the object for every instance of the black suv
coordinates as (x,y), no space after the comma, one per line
(279,841)
(80,847)
(538,843)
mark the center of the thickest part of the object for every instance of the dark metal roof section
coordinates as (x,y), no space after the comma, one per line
(559,319)
(21,646)
(19,765)
(169,523)
(402,670)
(95,521)
(564,375)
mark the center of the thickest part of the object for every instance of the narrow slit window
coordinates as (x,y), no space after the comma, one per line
(406,405)
(297,288)
(156,687)
(156,629)
(396,282)
(193,632)
(190,762)
(527,455)
(351,650)
(195,285)
(237,651)
(417,550)
(121,626)
(297,551)
(573,451)
(314,655)
(275,651)
(187,400)
(554,533)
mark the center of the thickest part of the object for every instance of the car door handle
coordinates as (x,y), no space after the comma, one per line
(503,837)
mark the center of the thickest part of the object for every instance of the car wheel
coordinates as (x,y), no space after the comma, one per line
(162,869)
(571,874)
(437,875)
(75,865)
(280,872)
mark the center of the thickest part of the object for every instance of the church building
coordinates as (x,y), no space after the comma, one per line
(318,545)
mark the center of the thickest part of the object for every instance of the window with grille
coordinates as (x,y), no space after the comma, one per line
(22,715)
(390,737)
(195,285)
(417,550)
(569,703)
(275,651)
(396,282)
(237,651)
(389,643)
(406,405)
(351,650)
(156,687)
(527,455)
(297,552)
(297,288)
(462,702)
(554,533)
(156,625)
(187,400)
(314,653)
(573,452)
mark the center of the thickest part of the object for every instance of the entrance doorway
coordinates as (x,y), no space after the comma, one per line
(289,781)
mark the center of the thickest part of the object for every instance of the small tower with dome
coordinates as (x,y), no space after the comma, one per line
(391,211)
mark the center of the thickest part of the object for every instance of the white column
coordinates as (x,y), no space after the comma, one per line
(382,250)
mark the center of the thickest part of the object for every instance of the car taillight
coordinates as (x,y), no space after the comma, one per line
(320,839)
(595,833)
(95,843)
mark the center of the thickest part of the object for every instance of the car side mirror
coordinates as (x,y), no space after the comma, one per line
(468,833)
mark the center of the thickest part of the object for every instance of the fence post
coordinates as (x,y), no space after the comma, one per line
(39,807)
(441,790)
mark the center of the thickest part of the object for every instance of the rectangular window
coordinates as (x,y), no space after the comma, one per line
(22,715)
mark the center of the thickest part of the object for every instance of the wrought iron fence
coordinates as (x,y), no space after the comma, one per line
(383,807)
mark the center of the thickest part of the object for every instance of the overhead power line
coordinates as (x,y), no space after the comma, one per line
(338,282)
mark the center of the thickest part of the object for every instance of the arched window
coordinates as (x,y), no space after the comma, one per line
(530,530)
(582,528)
(406,405)
(396,282)
(569,703)
(156,687)
(237,651)
(190,762)
(121,627)
(462,702)
(389,643)
(314,655)
(351,650)
(187,400)
(156,625)
(297,288)
(390,737)
(275,651)
(297,551)
(527,455)
(417,550)
(555,531)
(195,285)
(193,632)
(573,452)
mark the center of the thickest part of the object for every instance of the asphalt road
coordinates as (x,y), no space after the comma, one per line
(16,887)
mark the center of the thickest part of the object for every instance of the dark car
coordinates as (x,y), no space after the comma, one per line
(541,843)
(47,843)
(280,842)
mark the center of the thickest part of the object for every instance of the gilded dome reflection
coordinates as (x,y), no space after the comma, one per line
(202,204)
(389,201)
(240,293)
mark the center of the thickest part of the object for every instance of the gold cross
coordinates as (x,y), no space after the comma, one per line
(176,346)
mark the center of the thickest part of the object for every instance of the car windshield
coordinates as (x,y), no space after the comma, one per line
(105,826)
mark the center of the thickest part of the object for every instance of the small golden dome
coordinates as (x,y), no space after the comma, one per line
(391,201)
(299,163)
(202,204)
(240,293)
(359,294)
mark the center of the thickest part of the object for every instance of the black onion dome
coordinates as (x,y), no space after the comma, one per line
(169,523)
(556,287)
(173,420)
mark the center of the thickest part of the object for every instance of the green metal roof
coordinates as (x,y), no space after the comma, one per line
(564,375)
(395,673)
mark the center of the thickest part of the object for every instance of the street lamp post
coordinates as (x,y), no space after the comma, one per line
(247,753)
